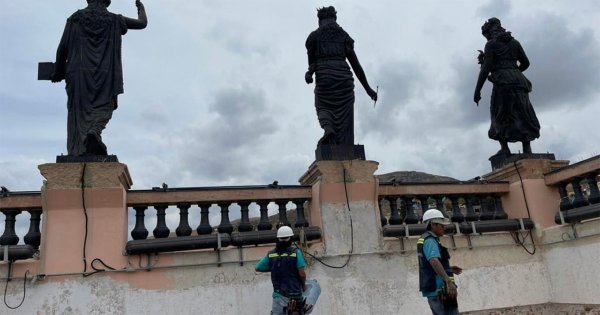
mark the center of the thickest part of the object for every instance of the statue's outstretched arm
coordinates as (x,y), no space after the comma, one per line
(141,21)
(360,73)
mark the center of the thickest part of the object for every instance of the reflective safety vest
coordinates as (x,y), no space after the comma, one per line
(284,272)
(426,272)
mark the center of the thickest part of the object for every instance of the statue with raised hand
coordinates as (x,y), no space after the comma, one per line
(502,63)
(328,48)
(88,58)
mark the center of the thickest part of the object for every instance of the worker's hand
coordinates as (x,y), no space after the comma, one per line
(456,270)
(451,289)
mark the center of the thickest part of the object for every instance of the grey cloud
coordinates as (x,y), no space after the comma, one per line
(399,82)
(495,8)
(565,63)
(224,144)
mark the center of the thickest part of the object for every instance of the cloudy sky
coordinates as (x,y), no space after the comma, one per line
(215,91)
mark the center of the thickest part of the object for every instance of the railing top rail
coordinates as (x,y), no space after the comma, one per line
(443,188)
(577,169)
(21,200)
(217,194)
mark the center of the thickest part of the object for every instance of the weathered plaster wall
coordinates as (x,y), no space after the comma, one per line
(497,274)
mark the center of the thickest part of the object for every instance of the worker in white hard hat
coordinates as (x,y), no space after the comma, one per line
(436,276)
(286,265)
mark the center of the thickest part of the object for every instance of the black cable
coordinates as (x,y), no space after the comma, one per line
(528,214)
(24,291)
(86,218)
(351,233)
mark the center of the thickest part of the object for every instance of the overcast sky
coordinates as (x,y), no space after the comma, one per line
(215,91)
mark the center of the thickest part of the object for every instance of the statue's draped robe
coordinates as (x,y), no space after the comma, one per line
(94,75)
(512,116)
(327,49)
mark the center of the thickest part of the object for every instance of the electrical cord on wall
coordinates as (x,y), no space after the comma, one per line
(96,270)
(522,243)
(351,232)
(24,291)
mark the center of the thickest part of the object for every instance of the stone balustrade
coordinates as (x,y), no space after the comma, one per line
(285,199)
(578,188)
(12,205)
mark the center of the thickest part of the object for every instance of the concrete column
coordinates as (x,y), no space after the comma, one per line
(69,188)
(330,210)
(528,176)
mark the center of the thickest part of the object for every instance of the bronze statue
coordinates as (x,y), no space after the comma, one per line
(328,47)
(89,59)
(512,115)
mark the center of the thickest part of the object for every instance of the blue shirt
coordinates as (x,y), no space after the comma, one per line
(431,249)
(263,265)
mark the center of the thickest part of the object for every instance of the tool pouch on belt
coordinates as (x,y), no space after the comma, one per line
(448,302)
(295,306)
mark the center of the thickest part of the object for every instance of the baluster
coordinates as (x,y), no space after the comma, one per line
(579,200)
(381,216)
(471,215)
(499,213)
(594,196)
(283,220)
(244,225)
(395,217)
(487,213)
(264,224)
(565,201)
(439,203)
(225,226)
(161,230)
(424,205)
(139,232)
(457,216)
(204,227)
(300,219)
(34,236)
(184,228)
(411,217)
(9,237)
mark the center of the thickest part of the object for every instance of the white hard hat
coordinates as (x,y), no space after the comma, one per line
(435,216)
(285,231)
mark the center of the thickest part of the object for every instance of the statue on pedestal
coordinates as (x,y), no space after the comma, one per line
(328,47)
(512,116)
(88,58)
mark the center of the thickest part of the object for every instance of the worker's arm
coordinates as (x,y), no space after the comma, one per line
(436,264)
(263,265)
(302,275)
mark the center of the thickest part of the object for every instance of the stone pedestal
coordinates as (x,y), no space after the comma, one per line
(337,186)
(70,191)
(528,189)
(340,152)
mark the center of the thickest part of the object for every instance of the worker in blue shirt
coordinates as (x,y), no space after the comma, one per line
(286,265)
(436,276)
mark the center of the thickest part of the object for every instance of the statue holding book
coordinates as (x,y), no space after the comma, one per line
(88,58)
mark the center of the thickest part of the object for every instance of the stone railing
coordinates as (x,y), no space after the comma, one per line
(578,188)
(474,207)
(203,235)
(12,205)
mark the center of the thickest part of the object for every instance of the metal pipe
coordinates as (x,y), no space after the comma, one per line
(160,245)
(17,252)
(579,214)
(465,227)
